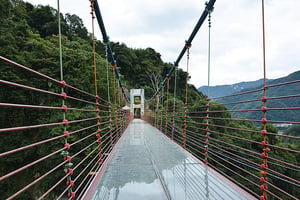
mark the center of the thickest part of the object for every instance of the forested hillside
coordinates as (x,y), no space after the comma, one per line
(282,90)
(27,31)
(29,36)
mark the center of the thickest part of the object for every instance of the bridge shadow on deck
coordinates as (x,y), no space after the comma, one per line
(146,165)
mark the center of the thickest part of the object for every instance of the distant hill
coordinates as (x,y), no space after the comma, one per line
(224,90)
(283,90)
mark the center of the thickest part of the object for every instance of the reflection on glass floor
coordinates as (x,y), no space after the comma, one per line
(148,166)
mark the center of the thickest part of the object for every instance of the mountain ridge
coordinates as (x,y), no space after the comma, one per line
(279,91)
(223,90)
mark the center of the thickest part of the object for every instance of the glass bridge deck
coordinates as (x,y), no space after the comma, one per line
(146,165)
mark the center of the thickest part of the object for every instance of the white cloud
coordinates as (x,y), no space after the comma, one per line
(236,34)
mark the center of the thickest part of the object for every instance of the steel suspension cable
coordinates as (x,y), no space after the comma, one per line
(157,109)
(115,99)
(188,46)
(168,84)
(122,112)
(98,133)
(174,102)
(108,95)
(162,108)
(206,143)
(209,6)
(266,149)
(65,153)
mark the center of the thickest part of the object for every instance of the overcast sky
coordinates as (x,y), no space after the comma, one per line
(236,40)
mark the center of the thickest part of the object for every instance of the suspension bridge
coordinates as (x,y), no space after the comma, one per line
(131,147)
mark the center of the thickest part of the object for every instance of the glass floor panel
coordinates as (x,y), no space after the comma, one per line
(146,165)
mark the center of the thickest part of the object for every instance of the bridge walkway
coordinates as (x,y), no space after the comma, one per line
(146,165)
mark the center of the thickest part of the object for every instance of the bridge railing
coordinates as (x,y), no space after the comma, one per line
(249,137)
(52,142)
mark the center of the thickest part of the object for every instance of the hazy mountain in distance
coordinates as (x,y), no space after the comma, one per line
(279,91)
(224,90)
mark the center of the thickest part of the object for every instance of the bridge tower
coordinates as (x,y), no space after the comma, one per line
(137,102)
